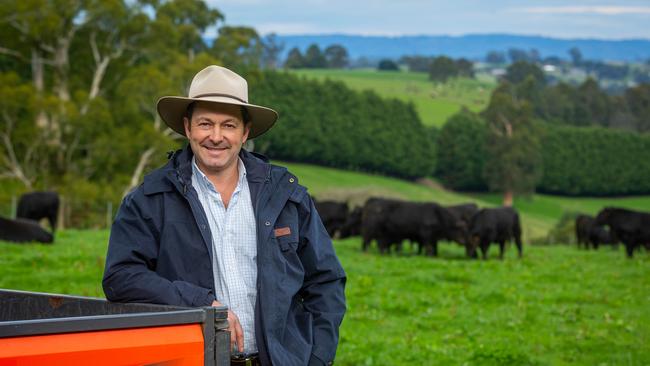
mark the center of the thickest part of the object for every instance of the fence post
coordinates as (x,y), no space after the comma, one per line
(12,214)
(61,223)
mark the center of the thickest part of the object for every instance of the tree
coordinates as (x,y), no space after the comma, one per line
(534,55)
(336,57)
(516,55)
(513,163)
(314,58)
(238,47)
(189,19)
(460,149)
(387,65)
(638,100)
(464,68)
(72,47)
(592,104)
(19,142)
(294,59)
(519,71)
(553,60)
(442,68)
(495,57)
(417,63)
(271,52)
(576,56)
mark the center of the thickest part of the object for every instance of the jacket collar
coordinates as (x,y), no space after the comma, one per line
(179,169)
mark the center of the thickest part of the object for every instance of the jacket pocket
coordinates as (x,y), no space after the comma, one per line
(298,336)
(287,242)
(288,265)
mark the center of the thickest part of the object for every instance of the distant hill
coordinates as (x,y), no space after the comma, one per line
(472,46)
(434,102)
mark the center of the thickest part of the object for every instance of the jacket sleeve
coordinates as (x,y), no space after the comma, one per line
(130,272)
(323,290)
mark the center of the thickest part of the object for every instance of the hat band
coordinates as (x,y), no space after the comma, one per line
(220,95)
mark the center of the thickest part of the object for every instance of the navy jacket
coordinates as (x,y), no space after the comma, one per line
(160,251)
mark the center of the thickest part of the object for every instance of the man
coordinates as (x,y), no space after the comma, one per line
(218,225)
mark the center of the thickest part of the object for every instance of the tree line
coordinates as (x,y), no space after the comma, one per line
(558,159)
(333,57)
(585,104)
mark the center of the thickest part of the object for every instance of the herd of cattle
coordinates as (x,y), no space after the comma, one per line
(389,222)
(32,207)
(632,228)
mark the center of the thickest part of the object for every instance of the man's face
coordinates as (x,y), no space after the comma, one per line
(216,133)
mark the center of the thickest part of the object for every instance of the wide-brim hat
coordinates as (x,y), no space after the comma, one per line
(216,84)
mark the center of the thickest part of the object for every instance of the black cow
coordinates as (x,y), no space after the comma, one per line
(583,225)
(23,230)
(630,227)
(352,225)
(38,205)
(588,233)
(333,214)
(599,235)
(494,225)
(392,221)
(464,211)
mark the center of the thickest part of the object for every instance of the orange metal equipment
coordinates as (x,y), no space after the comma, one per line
(179,345)
(63,330)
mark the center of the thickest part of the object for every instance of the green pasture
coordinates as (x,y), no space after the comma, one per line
(434,102)
(556,306)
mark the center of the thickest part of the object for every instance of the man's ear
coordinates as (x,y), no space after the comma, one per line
(186,123)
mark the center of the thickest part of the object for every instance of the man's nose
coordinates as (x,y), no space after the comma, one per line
(215,133)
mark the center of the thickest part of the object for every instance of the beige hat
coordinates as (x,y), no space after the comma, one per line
(218,85)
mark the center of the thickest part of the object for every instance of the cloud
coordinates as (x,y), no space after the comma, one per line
(600,10)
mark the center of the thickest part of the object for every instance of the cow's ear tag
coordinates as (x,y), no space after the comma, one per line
(282,231)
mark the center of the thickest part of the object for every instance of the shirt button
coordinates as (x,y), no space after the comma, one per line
(291,180)
(267,223)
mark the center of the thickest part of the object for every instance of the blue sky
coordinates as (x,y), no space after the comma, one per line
(554,18)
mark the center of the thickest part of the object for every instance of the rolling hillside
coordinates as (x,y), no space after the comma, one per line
(434,102)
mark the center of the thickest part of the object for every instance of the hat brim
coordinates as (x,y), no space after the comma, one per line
(172,110)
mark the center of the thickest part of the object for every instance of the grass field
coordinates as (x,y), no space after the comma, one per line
(557,306)
(434,102)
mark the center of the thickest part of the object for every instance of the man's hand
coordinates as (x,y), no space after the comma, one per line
(235,329)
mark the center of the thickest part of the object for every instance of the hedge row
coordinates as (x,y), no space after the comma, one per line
(595,161)
(576,160)
(329,124)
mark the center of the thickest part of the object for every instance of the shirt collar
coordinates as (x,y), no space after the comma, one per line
(206,183)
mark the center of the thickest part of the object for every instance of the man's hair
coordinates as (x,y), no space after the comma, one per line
(245,116)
